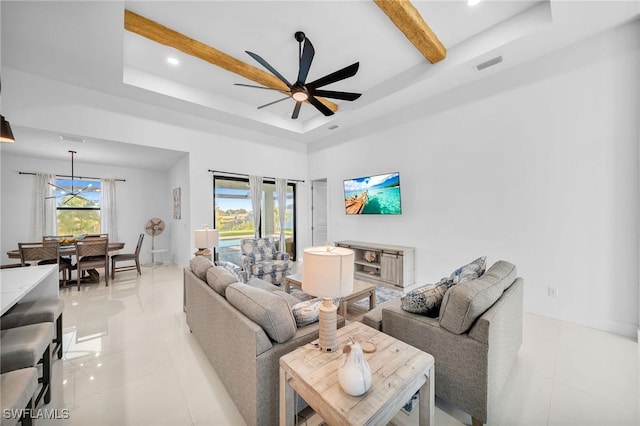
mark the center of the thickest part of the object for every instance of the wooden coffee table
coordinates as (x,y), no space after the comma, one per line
(398,370)
(361,290)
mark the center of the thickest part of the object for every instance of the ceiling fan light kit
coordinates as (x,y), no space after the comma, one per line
(73,194)
(301,91)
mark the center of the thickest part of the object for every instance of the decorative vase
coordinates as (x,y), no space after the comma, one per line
(354,375)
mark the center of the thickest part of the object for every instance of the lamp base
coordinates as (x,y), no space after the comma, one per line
(203,252)
(328,336)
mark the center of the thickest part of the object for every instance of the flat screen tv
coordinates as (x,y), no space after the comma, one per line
(379,194)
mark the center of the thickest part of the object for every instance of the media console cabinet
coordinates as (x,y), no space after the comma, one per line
(383,263)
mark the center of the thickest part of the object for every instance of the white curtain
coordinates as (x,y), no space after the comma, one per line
(45,214)
(281,189)
(255,186)
(108,216)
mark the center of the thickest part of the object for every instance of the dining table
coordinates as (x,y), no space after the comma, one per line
(67,250)
(70,250)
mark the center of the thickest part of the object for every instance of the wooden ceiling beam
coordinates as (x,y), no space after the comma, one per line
(159,33)
(408,20)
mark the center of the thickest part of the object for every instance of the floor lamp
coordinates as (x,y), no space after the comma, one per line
(327,272)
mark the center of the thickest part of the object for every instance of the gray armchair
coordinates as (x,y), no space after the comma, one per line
(261,259)
(475,341)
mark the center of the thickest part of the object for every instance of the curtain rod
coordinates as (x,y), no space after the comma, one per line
(242,174)
(67,176)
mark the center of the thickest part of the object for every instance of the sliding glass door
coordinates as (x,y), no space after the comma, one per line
(234,215)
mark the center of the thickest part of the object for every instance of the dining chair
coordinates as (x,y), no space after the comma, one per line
(92,254)
(95,236)
(44,254)
(127,257)
(65,262)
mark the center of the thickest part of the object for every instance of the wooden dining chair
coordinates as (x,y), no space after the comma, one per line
(65,262)
(92,254)
(127,257)
(44,254)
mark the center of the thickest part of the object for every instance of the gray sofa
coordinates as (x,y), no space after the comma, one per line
(475,340)
(242,353)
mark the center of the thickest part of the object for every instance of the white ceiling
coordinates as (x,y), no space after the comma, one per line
(84,43)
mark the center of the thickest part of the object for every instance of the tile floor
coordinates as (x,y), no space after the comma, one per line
(129,359)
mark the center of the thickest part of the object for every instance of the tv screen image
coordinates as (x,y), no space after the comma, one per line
(379,194)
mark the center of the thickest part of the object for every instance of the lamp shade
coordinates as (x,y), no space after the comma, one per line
(6,135)
(206,238)
(327,271)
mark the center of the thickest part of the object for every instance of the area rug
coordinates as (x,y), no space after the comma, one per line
(383,293)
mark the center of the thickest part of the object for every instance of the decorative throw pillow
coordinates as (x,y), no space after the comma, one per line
(234,269)
(424,300)
(470,271)
(199,266)
(306,312)
(218,278)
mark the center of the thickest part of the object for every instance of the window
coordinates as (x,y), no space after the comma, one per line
(234,215)
(78,206)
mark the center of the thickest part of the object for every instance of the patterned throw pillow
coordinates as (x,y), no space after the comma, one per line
(424,300)
(470,271)
(306,312)
(233,268)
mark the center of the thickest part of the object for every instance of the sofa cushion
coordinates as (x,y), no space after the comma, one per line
(218,278)
(199,266)
(425,300)
(291,299)
(465,302)
(267,309)
(470,271)
(306,312)
(260,283)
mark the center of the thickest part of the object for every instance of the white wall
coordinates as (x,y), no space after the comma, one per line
(140,198)
(33,101)
(542,173)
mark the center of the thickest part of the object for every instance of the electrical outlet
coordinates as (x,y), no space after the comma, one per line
(552,291)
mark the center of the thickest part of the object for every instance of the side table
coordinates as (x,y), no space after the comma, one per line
(398,371)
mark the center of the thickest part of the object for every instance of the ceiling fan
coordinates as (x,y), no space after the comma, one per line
(300,91)
(73,194)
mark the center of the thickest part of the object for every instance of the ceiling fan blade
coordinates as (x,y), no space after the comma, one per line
(269,67)
(319,106)
(259,87)
(345,96)
(296,110)
(305,61)
(274,102)
(56,186)
(77,193)
(345,72)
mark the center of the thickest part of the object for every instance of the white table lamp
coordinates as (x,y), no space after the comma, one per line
(327,273)
(204,240)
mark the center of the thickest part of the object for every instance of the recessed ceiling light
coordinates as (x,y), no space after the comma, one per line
(173,61)
(473,2)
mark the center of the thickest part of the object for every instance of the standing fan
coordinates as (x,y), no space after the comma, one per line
(154,227)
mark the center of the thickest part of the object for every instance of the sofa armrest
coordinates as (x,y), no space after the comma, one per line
(373,318)
(281,255)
